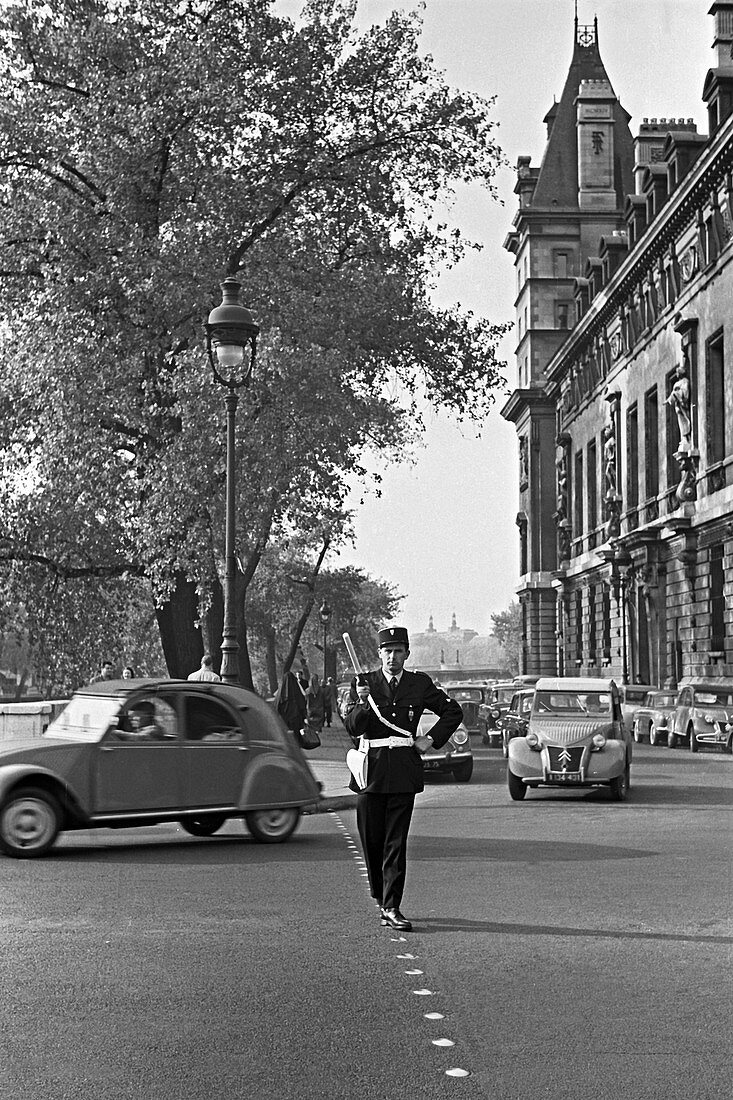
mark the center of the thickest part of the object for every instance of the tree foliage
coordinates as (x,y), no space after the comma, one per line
(509,632)
(146,150)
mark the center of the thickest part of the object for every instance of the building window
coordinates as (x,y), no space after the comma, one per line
(562,315)
(606,625)
(651,443)
(672,433)
(592,478)
(560,265)
(578,495)
(716,406)
(717,599)
(632,457)
(579,654)
(592,624)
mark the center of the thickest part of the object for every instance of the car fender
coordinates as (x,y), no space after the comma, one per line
(12,774)
(608,762)
(275,780)
(523,760)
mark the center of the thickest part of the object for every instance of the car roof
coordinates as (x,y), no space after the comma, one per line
(573,683)
(238,696)
(724,684)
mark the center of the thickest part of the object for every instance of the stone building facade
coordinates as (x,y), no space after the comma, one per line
(624,408)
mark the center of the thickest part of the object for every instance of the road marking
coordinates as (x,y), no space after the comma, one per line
(456,1072)
(443,1043)
(423,992)
(434,1016)
(413,972)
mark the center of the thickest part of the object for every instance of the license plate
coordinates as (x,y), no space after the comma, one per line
(431,763)
(565,777)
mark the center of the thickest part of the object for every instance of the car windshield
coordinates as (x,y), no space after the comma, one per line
(663,700)
(714,698)
(85,718)
(504,695)
(572,702)
(632,695)
(465,695)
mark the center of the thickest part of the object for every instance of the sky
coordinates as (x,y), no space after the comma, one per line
(443,530)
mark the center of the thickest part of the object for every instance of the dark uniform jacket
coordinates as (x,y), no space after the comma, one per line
(393,771)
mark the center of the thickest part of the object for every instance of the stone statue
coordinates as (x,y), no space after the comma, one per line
(679,399)
(609,460)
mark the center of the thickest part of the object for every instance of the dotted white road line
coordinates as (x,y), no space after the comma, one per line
(443,1042)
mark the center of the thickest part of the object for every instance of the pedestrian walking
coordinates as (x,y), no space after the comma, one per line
(290,703)
(315,704)
(206,672)
(107,672)
(384,708)
(329,700)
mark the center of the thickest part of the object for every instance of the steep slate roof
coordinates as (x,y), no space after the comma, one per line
(557,185)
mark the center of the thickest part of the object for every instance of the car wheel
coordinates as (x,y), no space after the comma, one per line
(29,822)
(517,789)
(637,732)
(692,740)
(206,825)
(620,785)
(272,826)
(653,737)
(672,739)
(463,772)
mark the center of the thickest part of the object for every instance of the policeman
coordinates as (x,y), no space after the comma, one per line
(385,708)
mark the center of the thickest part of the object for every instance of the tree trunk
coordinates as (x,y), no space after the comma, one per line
(213,623)
(180,638)
(271,658)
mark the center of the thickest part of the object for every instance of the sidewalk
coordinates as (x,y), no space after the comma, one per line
(328,764)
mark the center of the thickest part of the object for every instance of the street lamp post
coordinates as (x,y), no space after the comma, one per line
(624,564)
(325,613)
(231,344)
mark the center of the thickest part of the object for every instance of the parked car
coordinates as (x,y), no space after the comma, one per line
(516,720)
(470,696)
(704,715)
(576,738)
(455,758)
(127,753)
(499,696)
(653,718)
(632,697)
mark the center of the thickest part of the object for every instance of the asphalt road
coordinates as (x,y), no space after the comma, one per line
(565,947)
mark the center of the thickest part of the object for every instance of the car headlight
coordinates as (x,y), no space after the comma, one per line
(599,740)
(533,741)
(459,737)
(709,718)
(495,713)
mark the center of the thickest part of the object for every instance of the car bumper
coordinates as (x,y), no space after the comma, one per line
(597,768)
(444,762)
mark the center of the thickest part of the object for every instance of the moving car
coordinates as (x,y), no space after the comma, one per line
(576,738)
(516,720)
(654,717)
(498,698)
(129,753)
(455,758)
(470,696)
(704,715)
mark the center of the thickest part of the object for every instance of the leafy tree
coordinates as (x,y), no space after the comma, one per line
(509,632)
(147,149)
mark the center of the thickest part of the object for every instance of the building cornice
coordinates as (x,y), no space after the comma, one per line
(522,400)
(708,172)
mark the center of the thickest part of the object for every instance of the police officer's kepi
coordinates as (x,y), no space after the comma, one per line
(397,635)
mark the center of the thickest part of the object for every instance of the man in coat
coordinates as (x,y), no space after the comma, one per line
(385,708)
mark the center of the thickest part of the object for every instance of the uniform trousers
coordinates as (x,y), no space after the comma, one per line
(383,821)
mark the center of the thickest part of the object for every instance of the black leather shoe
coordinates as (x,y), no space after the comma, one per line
(392,918)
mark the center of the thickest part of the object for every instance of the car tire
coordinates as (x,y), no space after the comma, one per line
(463,772)
(517,789)
(206,825)
(619,786)
(637,733)
(30,820)
(672,739)
(272,826)
(691,739)
(505,748)
(653,736)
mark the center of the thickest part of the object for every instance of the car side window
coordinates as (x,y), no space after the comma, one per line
(208,720)
(147,720)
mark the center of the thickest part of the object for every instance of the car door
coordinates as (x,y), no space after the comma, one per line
(216,752)
(134,773)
